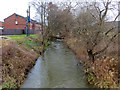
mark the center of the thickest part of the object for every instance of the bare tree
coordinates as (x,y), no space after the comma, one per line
(92,26)
(60,19)
(41,13)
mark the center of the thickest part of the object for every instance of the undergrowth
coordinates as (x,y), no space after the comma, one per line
(18,57)
(103,73)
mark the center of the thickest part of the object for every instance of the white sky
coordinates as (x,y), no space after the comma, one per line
(8,7)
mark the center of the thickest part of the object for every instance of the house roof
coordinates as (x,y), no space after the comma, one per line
(17,15)
(21,16)
(1,22)
(25,18)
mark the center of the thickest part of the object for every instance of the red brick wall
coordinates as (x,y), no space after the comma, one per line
(37,26)
(0,24)
(9,23)
(31,24)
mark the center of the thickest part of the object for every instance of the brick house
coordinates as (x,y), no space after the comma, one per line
(16,24)
(1,25)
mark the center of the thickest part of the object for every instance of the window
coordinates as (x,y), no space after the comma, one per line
(16,22)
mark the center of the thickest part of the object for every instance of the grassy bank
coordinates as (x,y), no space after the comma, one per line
(103,73)
(18,56)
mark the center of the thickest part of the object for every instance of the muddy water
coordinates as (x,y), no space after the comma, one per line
(57,69)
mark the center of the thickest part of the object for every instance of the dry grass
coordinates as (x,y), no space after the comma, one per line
(16,63)
(77,48)
(103,73)
(18,57)
(0,63)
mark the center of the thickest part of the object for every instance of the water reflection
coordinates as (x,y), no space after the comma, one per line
(57,70)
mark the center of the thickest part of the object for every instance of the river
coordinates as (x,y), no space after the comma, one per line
(57,69)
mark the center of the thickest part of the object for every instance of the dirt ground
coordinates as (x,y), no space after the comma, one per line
(0,66)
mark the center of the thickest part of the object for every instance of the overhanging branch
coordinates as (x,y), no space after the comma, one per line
(96,53)
(110,30)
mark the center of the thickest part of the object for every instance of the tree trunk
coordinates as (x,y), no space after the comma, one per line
(91,55)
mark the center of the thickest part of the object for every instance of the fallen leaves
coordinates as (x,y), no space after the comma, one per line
(16,59)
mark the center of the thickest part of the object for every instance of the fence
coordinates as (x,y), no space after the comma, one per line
(17,31)
(0,31)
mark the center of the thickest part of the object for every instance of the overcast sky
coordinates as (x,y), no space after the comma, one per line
(8,7)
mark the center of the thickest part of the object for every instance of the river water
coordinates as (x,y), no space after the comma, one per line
(57,69)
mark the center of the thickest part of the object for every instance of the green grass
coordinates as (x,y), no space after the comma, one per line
(27,43)
(31,44)
(21,36)
(9,85)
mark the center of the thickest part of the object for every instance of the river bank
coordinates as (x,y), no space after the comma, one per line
(103,73)
(56,69)
(19,55)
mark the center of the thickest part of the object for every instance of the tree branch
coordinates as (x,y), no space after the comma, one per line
(110,30)
(106,10)
(96,53)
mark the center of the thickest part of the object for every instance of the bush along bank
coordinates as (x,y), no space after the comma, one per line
(18,57)
(103,73)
